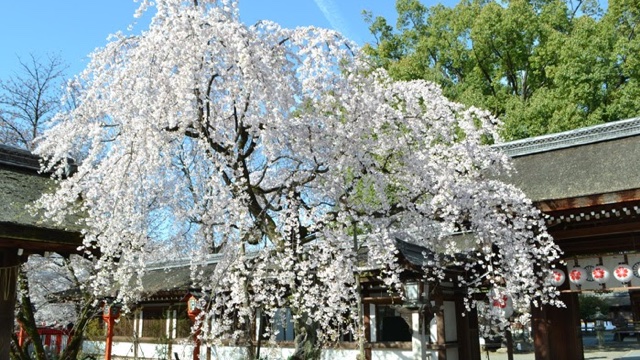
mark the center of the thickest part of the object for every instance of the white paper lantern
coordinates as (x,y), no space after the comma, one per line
(578,275)
(623,273)
(501,302)
(600,274)
(557,277)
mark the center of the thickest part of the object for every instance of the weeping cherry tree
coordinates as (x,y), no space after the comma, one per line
(266,145)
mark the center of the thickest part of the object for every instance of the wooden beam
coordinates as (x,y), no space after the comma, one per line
(595,231)
(617,198)
(35,240)
(603,244)
(382,300)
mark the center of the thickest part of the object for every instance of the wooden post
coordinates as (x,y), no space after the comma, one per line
(196,349)
(110,314)
(9,264)
(59,343)
(193,311)
(468,332)
(509,337)
(556,331)
(440,327)
(109,345)
(22,336)
(367,329)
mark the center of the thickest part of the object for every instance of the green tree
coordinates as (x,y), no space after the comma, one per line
(589,305)
(541,66)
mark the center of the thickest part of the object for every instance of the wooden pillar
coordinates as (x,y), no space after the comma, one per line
(468,332)
(193,310)
(509,338)
(197,344)
(171,329)
(109,343)
(366,313)
(440,327)
(556,331)
(9,263)
(59,343)
(540,329)
(22,336)
(110,314)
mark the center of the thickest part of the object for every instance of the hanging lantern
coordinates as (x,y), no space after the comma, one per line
(193,309)
(501,302)
(600,274)
(623,273)
(557,277)
(578,276)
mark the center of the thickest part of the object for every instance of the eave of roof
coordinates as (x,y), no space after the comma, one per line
(583,136)
(21,184)
(20,158)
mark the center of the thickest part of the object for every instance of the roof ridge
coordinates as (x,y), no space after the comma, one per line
(19,157)
(182,262)
(582,136)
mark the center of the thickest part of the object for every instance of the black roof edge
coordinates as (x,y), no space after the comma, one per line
(24,159)
(19,158)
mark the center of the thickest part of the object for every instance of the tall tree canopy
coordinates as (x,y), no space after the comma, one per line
(268,145)
(540,66)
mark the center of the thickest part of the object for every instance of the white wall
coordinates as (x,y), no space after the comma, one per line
(391,354)
(450,325)
(185,352)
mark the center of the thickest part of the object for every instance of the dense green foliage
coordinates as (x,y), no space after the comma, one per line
(542,66)
(590,305)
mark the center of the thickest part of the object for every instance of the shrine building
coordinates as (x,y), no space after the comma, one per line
(22,233)
(587,184)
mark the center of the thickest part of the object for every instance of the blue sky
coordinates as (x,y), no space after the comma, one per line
(74,28)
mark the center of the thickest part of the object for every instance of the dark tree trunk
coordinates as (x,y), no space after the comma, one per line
(306,340)
(27,320)
(75,342)
(25,316)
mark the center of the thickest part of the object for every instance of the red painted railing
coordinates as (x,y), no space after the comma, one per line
(54,340)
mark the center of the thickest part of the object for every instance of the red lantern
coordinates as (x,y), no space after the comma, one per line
(623,273)
(578,276)
(193,310)
(600,274)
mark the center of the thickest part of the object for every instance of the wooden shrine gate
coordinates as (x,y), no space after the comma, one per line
(587,183)
(22,234)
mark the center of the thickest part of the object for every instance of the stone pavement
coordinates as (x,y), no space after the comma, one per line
(612,350)
(588,355)
(632,355)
